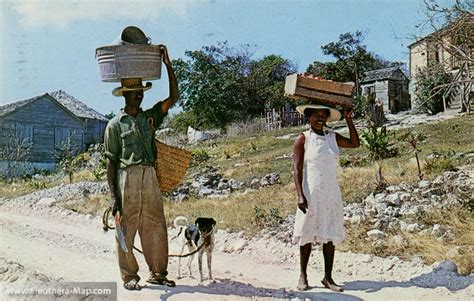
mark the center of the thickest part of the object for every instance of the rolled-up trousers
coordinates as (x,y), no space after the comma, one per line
(142,210)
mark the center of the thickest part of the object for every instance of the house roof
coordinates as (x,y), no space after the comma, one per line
(380,74)
(67,101)
(76,107)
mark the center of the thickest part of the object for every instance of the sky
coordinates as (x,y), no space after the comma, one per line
(50,45)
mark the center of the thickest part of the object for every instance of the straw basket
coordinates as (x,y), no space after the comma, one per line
(171,165)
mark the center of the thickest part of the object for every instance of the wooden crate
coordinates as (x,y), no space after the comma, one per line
(320,90)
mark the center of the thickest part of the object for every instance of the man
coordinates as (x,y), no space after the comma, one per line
(131,153)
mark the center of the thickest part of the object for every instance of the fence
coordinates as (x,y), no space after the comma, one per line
(275,120)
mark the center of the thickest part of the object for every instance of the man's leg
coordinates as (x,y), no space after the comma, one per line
(152,227)
(128,179)
(305,252)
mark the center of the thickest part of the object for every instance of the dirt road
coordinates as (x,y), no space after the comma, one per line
(41,242)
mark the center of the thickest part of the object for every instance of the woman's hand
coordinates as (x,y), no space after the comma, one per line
(164,53)
(348,113)
(302,203)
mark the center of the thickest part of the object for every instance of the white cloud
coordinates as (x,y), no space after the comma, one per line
(64,12)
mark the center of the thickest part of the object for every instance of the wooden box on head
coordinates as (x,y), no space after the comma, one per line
(319,91)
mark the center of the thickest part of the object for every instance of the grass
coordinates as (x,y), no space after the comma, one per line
(248,156)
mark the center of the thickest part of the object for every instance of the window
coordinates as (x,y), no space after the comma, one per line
(61,135)
(24,132)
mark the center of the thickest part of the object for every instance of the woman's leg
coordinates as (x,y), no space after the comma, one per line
(328,252)
(305,252)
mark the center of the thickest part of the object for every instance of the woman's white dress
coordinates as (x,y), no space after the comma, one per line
(323,221)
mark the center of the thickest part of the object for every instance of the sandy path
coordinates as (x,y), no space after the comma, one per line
(41,242)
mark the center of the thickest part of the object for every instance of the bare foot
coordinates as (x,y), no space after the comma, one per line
(330,284)
(302,284)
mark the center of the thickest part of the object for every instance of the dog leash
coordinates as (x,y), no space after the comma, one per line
(106,227)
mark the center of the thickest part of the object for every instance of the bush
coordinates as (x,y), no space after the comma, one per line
(378,143)
(431,84)
(440,162)
(200,156)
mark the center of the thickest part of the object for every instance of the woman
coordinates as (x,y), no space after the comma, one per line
(319,217)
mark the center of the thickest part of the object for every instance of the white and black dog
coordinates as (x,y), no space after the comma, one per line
(200,235)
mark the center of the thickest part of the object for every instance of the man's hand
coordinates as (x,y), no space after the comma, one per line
(302,204)
(164,53)
(116,205)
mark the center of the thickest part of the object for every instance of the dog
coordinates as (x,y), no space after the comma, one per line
(200,235)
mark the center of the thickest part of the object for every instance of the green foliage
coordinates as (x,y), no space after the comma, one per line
(68,158)
(97,162)
(180,122)
(263,219)
(37,184)
(220,84)
(352,59)
(431,84)
(200,156)
(110,115)
(378,143)
(440,162)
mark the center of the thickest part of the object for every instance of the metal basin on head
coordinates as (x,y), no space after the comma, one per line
(129,61)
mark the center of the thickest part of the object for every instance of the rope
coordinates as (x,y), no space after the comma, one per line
(206,236)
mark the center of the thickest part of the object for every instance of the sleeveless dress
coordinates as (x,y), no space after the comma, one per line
(323,221)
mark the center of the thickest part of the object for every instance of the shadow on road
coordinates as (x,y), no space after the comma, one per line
(449,280)
(227,287)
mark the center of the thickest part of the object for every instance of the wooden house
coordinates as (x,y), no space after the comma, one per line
(452,48)
(46,122)
(390,86)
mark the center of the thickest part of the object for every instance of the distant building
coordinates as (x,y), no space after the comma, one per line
(390,86)
(443,47)
(46,122)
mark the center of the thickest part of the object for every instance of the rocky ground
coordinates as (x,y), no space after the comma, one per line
(44,243)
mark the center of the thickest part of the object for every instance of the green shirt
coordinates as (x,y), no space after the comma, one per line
(130,140)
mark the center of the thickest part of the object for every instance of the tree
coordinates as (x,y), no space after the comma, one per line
(431,84)
(16,152)
(220,84)
(352,60)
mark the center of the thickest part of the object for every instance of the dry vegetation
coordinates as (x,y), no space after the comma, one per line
(245,157)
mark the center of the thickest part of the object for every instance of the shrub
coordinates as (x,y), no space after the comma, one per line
(440,162)
(200,156)
(431,84)
(378,143)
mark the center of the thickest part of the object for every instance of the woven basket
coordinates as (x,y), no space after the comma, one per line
(171,165)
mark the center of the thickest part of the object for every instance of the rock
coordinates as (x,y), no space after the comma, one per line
(453,252)
(356,219)
(433,191)
(425,232)
(239,245)
(445,265)
(392,189)
(375,234)
(405,197)
(205,191)
(398,241)
(223,184)
(393,199)
(403,225)
(437,231)
(405,187)
(47,201)
(423,184)
(412,228)
(270,179)
(255,183)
